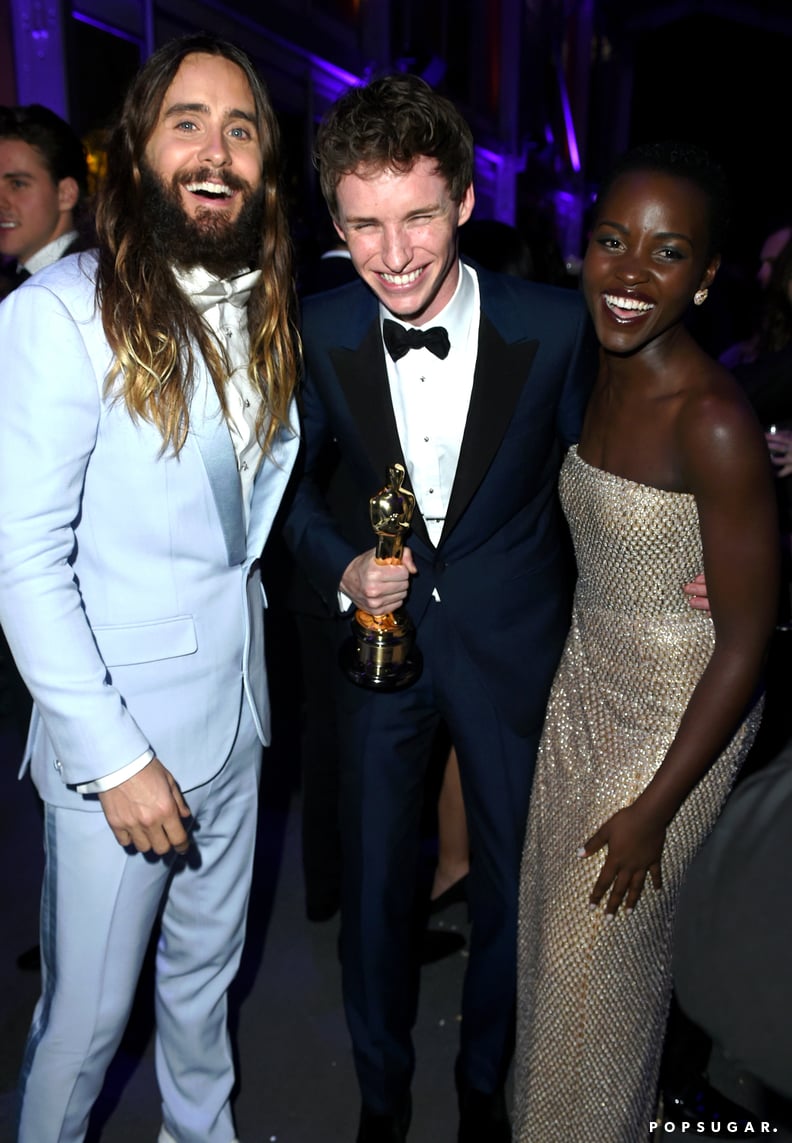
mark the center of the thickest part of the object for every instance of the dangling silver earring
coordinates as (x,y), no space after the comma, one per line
(700,296)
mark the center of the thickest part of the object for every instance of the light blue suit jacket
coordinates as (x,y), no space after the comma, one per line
(130,592)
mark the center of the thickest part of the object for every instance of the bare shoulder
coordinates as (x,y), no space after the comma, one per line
(718,433)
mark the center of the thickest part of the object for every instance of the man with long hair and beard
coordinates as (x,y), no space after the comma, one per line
(147,437)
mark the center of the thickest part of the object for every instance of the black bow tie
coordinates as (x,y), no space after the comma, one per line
(399,340)
(22,274)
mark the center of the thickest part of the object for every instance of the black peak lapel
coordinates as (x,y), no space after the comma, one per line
(364,380)
(501,373)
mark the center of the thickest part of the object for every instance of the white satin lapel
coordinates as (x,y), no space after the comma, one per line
(270,483)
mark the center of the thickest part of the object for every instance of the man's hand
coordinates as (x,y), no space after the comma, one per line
(146,811)
(378,587)
(697,594)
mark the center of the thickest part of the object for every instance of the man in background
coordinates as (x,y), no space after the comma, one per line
(43,191)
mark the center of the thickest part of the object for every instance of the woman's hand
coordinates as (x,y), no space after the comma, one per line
(780,444)
(635,840)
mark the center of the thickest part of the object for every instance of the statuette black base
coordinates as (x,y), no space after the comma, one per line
(381,660)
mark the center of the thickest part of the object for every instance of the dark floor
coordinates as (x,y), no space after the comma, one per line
(296,1081)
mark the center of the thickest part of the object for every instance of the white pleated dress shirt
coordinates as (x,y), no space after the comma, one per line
(430,399)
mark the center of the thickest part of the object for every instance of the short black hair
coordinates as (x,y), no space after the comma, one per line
(685,161)
(58,145)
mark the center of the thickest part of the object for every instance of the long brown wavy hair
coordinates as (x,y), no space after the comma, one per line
(151,326)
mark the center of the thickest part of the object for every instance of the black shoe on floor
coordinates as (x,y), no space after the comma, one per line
(482,1115)
(437,944)
(30,959)
(455,894)
(323,906)
(383,1128)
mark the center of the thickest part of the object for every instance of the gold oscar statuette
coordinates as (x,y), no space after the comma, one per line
(381,654)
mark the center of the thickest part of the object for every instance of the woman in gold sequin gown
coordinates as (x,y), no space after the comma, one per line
(651,710)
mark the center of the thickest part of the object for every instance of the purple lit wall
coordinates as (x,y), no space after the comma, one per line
(103,26)
(61,59)
(38,51)
(330,82)
(496,181)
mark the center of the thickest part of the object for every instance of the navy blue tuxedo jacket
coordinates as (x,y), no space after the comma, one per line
(502,565)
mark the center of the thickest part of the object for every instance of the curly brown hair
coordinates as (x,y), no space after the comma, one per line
(151,326)
(390,124)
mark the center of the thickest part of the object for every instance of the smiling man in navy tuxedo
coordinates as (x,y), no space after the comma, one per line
(147,436)
(480,414)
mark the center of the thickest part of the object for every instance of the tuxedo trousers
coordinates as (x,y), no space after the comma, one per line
(385,743)
(100,903)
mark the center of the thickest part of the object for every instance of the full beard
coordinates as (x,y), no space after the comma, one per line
(211,239)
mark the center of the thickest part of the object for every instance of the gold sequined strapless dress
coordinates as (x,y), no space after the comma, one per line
(593,996)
